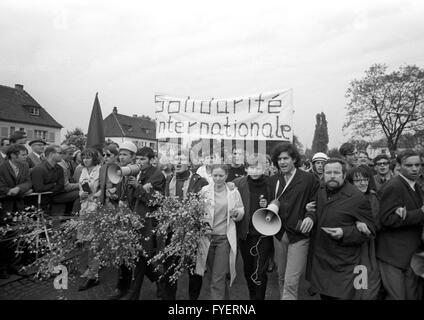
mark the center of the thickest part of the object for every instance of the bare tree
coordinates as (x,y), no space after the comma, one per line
(386,103)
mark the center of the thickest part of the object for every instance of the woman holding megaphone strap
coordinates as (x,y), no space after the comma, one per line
(218,252)
(256,248)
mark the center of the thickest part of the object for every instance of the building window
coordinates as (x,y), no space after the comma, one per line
(383,150)
(152,145)
(12,130)
(34,111)
(40,134)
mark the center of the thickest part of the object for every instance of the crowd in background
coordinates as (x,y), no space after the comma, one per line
(336,214)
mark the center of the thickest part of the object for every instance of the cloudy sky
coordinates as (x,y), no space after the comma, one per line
(63,52)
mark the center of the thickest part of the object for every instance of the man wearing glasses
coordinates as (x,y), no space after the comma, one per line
(382,166)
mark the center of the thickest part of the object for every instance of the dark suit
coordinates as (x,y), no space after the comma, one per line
(9,180)
(399,239)
(141,199)
(291,246)
(301,190)
(331,262)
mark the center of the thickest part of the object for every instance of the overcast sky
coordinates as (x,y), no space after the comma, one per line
(63,52)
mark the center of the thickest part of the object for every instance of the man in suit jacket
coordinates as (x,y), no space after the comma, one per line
(180,185)
(14,183)
(36,155)
(401,217)
(336,242)
(15,180)
(150,179)
(122,193)
(294,188)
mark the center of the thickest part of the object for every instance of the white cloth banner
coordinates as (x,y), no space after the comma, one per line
(260,117)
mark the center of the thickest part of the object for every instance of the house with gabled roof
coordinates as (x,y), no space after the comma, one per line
(139,129)
(19,111)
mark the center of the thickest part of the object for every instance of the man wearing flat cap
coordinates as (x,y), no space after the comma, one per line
(36,155)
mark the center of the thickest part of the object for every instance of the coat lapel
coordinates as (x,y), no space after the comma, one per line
(411,193)
(11,172)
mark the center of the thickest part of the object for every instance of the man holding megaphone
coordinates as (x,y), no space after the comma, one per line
(293,188)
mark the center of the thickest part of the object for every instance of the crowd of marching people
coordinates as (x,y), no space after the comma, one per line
(353,225)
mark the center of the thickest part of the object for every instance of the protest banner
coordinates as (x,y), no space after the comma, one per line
(260,117)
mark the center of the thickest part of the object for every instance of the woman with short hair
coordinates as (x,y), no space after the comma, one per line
(361,178)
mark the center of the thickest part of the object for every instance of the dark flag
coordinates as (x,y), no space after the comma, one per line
(96,133)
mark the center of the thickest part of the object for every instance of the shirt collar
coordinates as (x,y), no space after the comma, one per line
(410,182)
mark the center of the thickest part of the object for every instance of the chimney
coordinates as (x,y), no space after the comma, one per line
(19,87)
(115,110)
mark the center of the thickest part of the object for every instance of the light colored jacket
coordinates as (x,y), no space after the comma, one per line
(234,202)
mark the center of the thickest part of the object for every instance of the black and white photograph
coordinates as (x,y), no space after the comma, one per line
(216,153)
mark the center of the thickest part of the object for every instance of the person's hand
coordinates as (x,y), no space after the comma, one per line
(362,227)
(231,186)
(83,195)
(233,214)
(311,206)
(13,192)
(132,181)
(306,225)
(147,187)
(401,212)
(263,202)
(336,233)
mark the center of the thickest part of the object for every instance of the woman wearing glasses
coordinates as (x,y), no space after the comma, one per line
(107,189)
(360,177)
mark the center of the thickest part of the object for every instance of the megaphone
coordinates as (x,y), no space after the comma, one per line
(115,172)
(266,220)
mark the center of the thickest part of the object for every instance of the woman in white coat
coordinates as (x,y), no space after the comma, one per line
(218,251)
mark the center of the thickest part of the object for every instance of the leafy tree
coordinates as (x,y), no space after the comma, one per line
(320,142)
(386,103)
(76,137)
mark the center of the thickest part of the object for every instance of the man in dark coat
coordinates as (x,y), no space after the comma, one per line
(336,242)
(401,217)
(180,185)
(15,180)
(149,181)
(14,183)
(36,155)
(49,176)
(121,194)
(294,188)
